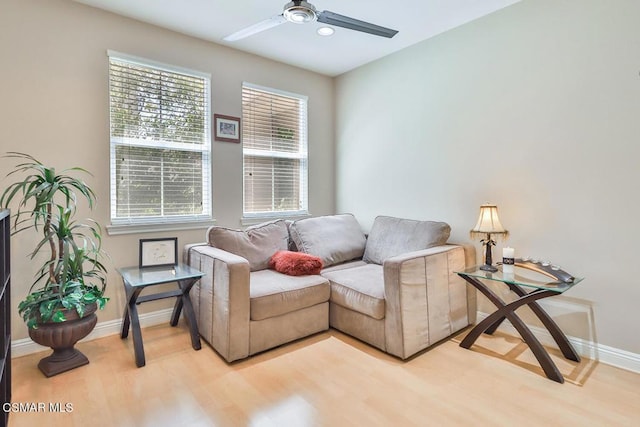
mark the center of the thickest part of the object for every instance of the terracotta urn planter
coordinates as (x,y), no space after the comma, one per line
(62,337)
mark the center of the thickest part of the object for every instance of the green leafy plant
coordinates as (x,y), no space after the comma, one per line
(72,277)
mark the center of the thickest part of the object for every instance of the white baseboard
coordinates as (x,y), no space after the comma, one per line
(604,354)
(25,346)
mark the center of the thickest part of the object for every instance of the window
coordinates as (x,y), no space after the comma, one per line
(160,143)
(274,138)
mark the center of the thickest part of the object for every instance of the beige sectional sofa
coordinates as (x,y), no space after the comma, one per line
(395,288)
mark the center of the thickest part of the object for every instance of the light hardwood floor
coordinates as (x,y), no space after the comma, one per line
(328,379)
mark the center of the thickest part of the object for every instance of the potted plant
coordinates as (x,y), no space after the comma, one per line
(59,309)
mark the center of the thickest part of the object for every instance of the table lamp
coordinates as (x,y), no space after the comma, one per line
(488,224)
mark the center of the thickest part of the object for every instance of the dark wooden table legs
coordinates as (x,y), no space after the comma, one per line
(130,317)
(507,311)
(184,303)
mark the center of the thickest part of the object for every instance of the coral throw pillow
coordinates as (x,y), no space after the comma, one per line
(295,263)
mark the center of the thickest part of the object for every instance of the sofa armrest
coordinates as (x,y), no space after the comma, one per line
(426,301)
(221,299)
(469,253)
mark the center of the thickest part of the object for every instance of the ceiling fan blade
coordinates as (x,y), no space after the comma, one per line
(274,21)
(338,20)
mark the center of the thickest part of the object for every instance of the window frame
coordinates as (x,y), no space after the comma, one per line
(159,223)
(302,154)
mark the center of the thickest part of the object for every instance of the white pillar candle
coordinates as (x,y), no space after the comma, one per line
(508,252)
(508,273)
(507,262)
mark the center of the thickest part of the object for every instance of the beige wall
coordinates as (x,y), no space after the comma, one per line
(535,108)
(54,105)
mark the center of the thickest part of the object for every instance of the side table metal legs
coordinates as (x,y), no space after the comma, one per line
(507,311)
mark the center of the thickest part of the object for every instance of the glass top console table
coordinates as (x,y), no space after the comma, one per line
(529,291)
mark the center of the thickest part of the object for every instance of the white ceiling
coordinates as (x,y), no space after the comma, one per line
(299,45)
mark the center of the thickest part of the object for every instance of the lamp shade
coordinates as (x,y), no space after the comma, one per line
(488,221)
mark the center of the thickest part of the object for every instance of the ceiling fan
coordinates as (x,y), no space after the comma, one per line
(301,12)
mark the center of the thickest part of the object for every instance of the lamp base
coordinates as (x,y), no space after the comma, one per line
(488,259)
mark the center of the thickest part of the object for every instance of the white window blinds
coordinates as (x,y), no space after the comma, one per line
(160,142)
(274,135)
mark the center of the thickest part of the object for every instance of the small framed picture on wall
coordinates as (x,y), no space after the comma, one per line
(227,128)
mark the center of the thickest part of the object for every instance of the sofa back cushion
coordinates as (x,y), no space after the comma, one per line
(256,244)
(333,238)
(391,236)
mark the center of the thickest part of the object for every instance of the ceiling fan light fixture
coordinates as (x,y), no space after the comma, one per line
(300,12)
(325,31)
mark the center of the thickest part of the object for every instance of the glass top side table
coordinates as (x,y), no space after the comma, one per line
(519,278)
(529,291)
(136,279)
(147,276)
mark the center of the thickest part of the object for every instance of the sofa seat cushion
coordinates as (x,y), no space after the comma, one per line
(333,238)
(273,294)
(391,236)
(344,265)
(256,244)
(359,288)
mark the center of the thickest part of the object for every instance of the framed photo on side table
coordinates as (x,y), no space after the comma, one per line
(227,128)
(161,252)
